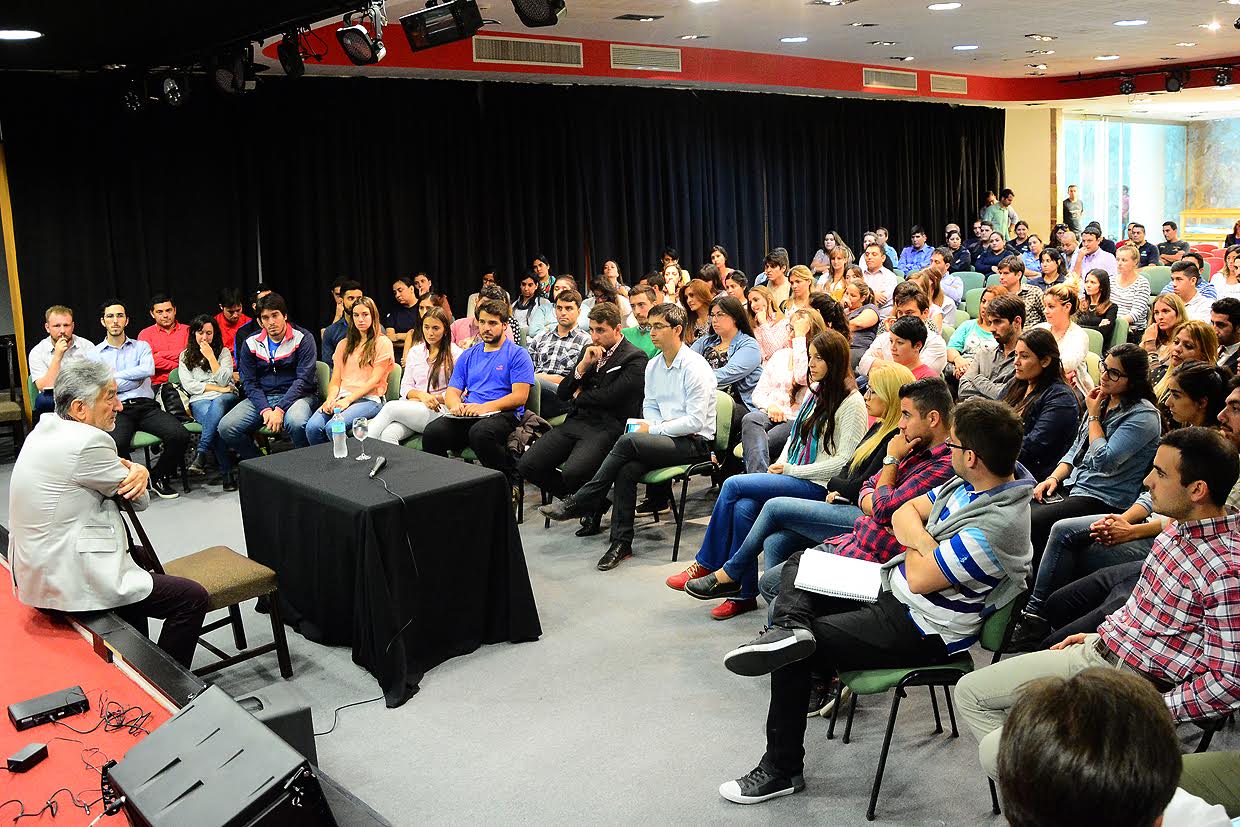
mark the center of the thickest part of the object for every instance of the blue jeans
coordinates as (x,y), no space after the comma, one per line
(1071,554)
(781,525)
(316,427)
(761,439)
(208,413)
(238,426)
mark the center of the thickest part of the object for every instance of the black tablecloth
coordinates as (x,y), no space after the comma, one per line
(342,547)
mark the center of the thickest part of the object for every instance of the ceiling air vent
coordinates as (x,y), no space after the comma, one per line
(524,52)
(645,58)
(949,84)
(889,79)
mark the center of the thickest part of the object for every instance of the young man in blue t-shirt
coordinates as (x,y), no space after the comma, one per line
(486,396)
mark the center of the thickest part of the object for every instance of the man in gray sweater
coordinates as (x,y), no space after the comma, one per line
(967,553)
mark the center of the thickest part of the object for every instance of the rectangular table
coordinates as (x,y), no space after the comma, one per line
(406,584)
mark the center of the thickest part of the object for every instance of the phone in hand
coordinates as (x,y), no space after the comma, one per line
(1051,499)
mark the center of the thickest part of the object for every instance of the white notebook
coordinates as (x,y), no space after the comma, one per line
(835,576)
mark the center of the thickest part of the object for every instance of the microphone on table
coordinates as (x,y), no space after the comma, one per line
(378,466)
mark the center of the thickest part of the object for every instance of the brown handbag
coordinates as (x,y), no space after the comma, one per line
(144,555)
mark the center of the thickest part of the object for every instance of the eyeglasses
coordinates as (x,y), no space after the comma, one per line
(957,446)
(660,326)
(718,315)
(1113,374)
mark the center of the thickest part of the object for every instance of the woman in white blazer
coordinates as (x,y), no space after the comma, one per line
(67,542)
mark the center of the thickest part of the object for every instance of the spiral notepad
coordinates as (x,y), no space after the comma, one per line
(834,576)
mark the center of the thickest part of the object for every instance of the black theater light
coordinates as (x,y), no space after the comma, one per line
(228,71)
(361,36)
(1175,81)
(1127,86)
(441,23)
(1222,76)
(289,52)
(535,13)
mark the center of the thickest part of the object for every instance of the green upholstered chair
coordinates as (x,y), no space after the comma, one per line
(996,631)
(175,379)
(992,279)
(1158,275)
(972,280)
(1120,334)
(1095,340)
(1093,364)
(973,301)
(682,473)
(393,383)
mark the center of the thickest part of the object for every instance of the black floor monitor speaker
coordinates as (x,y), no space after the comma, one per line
(286,716)
(535,13)
(216,765)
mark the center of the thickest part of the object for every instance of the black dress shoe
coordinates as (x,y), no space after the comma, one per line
(230,481)
(708,587)
(616,553)
(566,509)
(1029,633)
(593,524)
(649,506)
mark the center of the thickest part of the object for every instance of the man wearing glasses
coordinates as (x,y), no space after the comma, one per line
(677,428)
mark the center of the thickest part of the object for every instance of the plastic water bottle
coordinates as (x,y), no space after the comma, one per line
(340,447)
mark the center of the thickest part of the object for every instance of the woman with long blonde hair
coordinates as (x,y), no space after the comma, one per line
(360,368)
(770,327)
(1166,315)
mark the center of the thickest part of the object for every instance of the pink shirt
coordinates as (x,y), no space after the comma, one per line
(166,347)
(418,371)
(354,378)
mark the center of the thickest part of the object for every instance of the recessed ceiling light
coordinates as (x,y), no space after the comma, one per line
(640,18)
(797,39)
(1040,52)
(943,6)
(882,43)
(1213,25)
(1186,44)
(1041,67)
(1131,22)
(1041,37)
(19,34)
(964,47)
(694,36)
(856,25)
(703,1)
(829,2)
(904,59)
(1107,57)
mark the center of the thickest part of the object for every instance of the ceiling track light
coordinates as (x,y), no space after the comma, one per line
(292,61)
(134,96)
(1176,81)
(1127,86)
(173,88)
(361,35)
(228,69)
(1222,76)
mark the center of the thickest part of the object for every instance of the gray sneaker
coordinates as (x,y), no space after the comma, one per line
(774,648)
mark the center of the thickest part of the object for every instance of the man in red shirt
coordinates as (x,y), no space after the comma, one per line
(231,315)
(167,338)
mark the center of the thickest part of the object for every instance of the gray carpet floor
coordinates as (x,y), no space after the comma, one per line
(621,714)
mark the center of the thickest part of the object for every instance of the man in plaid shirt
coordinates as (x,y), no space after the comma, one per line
(555,351)
(1180,629)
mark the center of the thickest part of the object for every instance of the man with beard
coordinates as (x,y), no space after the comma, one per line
(47,357)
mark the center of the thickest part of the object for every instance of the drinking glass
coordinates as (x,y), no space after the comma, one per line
(359,431)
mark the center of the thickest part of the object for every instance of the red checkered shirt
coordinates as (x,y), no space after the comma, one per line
(871,537)
(1182,622)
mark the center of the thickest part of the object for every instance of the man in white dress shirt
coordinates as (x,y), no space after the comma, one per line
(67,541)
(60,346)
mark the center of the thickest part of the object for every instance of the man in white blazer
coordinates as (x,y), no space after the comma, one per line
(67,541)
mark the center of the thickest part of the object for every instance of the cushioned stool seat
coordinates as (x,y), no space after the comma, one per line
(229,577)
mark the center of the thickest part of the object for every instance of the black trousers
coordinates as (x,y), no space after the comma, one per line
(628,461)
(850,635)
(181,604)
(487,436)
(1081,605)
(550,403)
(44,402)
(580,445)
(144,415)
(1043,516)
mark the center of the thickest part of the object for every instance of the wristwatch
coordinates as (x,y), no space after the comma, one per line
(889,460)
(1092,418)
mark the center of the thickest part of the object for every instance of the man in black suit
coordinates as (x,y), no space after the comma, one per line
(1225,316)
(602,392)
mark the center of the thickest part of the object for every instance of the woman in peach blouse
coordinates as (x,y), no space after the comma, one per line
(360,370)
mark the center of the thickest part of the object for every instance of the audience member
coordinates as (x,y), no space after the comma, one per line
(1011,276)
(280,383)
(1032,256)
(736,284)
(965,554)
(422,285)
(1051,269)
(695,298)
(1091,255)
(1225,316)
(820,264)
(801,283)
(603,293)
(678,425)
(1172,249)
(428,367)
(601,393)
(1176,627)
(555,351)
(205,373)
(1196,394)
(832,313)
(541,266)
(1226,281)
(1039,393)
(251,327)
(486,396)
(1097,311)
(405,317)
(167,338)
(1060,304)
(641,298)
(978,243)
(961,259)
(908,300)
(881,280)
(1131,293)
(1102,471)
(973,334)
(889,252)
(769,325)
(1193,341)
(658,284)
(1074,209)
(710,274)
(863,318)
(916,256)
(231,317)
(994,364)
(487,278)
(942,308)
(60,347)
(834,278)
(529,300)
(779,394)
(719,258)
(360,367)
(1019,244)
(733,354)
(953,285)
(335,333)
(542,316)
(1184,279)
(1147,253)
(824,435)
(133,366)
(987,260)
(998,213)
(1167,314)
(67,539)
(464,331)
(337,305)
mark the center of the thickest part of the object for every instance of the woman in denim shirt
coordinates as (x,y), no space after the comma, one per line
(1112,452)
(734,355)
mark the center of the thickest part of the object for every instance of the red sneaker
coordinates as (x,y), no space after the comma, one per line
(695,570)
(731,608)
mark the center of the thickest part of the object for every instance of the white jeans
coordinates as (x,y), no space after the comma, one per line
(401,419)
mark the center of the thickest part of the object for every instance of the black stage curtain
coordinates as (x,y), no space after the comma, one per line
(372,178)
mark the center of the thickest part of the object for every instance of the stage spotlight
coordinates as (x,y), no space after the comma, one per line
(289,52)
(1127,86)
(134,96)
(173,90)
(441,23)
(1222,76)
(361,36)
(1175,81)
(228,71)
(535,13)
(1237,23)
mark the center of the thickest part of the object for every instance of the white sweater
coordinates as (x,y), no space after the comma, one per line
(1072,349)
(850,429)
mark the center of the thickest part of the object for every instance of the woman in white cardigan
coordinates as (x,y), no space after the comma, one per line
(827,430)
(780,392)
(1061,302)
(428,368)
